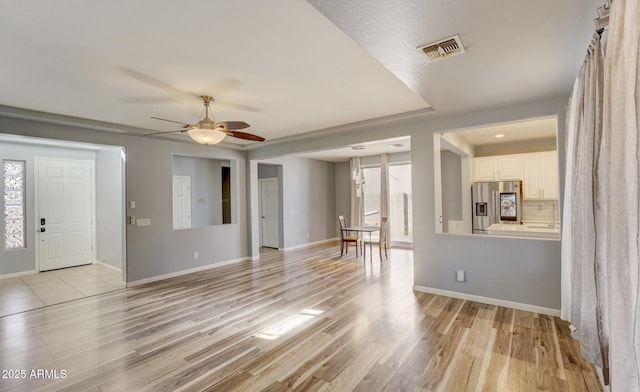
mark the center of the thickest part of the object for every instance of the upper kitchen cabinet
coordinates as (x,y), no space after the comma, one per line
(509,167)
(484,169)
(540,180)
(498,168)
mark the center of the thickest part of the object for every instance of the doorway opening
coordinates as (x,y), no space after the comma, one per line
(70,219)
(400,201)
(270,205)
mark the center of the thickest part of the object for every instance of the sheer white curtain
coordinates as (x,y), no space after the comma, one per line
(356,193)
(602,201)
(583,228)
(571,129)
(621,170)
(384,193)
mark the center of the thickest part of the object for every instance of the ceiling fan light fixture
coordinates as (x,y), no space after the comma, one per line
(206,136)
(208,132)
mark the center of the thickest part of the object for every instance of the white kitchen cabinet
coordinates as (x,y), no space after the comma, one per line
(484,169)
(540,175)
(549,175)
(509,167)
(531,176)
(498,168)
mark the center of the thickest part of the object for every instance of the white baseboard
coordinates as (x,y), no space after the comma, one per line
(187,271)
(309,244)
(108,266)
(18,274)
(490,301)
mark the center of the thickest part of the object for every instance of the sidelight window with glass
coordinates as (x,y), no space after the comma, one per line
(13,203)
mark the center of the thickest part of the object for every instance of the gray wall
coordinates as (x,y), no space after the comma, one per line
(533,277)
(308,189)
(20,260)
(451,167)
(110,207)
(374,160)
(157,249)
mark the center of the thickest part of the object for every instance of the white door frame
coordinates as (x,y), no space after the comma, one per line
(36,195)
(260,212)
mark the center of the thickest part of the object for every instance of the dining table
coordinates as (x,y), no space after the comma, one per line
(364,229)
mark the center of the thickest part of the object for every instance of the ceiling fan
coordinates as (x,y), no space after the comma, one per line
(207,131)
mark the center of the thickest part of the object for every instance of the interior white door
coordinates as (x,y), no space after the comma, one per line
(65,209)
(181,202)
(269,213)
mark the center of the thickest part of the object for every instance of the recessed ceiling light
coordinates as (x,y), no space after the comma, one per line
(396,145)
(499,135)
(358,147)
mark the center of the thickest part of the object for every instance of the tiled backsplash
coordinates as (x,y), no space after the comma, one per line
(539,210)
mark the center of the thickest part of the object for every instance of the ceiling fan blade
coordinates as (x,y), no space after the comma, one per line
(232,125)
(153,81)
(164,119)
(245,136)
(162,133)
(237,106)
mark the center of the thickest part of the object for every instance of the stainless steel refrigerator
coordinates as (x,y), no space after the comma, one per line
(495,202)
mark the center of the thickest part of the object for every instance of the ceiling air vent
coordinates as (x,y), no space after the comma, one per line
(447,47)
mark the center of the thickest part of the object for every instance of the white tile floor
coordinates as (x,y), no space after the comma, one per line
(53,287)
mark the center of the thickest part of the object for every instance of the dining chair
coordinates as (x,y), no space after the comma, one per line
(379,240)
(346,238)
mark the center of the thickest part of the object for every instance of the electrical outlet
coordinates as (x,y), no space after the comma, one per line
(307,234)
(195,255)
(132,220)
(540,207)
(460,275)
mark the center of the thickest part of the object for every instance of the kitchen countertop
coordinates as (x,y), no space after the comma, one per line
(540,230)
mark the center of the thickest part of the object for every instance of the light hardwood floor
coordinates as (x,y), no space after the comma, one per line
(53,287)
(305,321)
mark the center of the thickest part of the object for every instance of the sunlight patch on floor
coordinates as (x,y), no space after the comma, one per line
(273,332)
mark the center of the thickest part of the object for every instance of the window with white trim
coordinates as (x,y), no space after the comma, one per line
(13,198)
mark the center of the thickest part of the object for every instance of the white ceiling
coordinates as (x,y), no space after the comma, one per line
(517,51)
(122,61)
(402,144)
(521,131)
(98,60)
(540,128)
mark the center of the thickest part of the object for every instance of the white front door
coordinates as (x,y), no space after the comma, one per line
(181,202)
(65,211)
(269,212)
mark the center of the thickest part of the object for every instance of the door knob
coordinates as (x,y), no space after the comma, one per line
(42,221)
(42,229)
